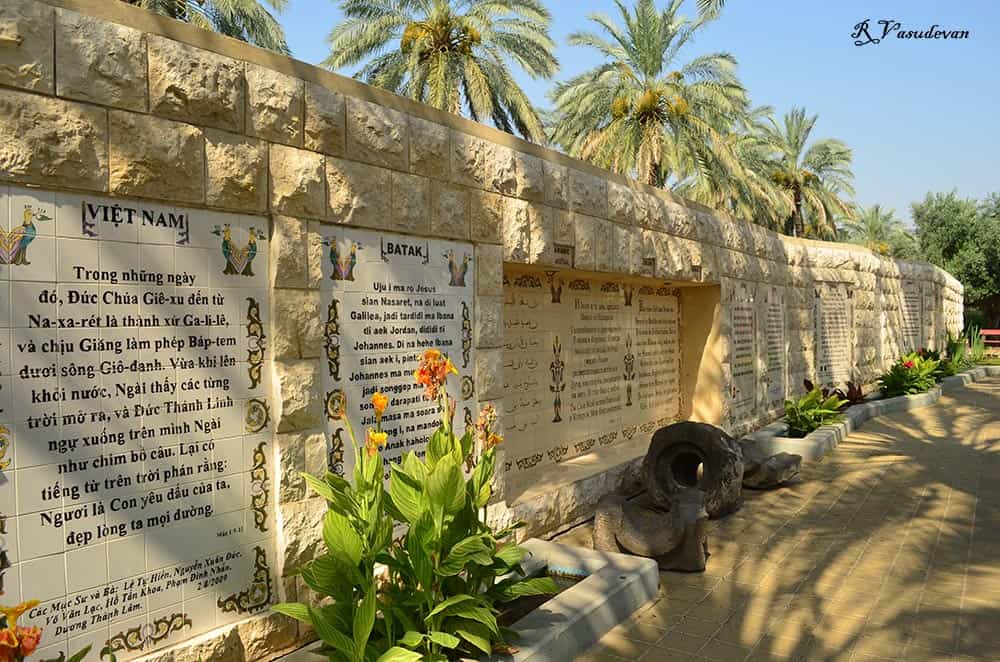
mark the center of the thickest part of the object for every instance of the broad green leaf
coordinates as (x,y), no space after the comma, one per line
(511,554)
(339,535)
(474,613)
(470,549)
(364,620)
(320,487)
(328,632)
(451,602)
(398,654)
(406,494)
(438,446)
(517,589)
(465,443)
(443,639)
(79,655)
(414,467)
(478,639)
(296,610)
(446,488)
(412,639)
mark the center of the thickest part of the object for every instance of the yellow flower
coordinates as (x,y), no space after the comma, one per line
(379,401)
(374,441)
(14,613)
(494,440)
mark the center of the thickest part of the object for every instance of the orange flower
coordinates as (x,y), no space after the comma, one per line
(374,441)
(29,639)
(8,641)
(493,440)
(379,401)
(433,371)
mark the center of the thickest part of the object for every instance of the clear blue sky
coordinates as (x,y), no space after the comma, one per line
(920,115)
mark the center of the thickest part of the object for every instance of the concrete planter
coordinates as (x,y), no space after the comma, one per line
(566,626)
(770,439)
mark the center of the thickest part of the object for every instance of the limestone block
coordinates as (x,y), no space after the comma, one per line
(489,374)
(53,142)
(709,230)
(224,646)
(603,245)
(489,269)
(299,397)
(298,324)
(358,194)
(156,158)
(411,203)
(100,62)
(625,205)
(489,321)
(317,454)
(556,185)
(514,173)
(266,635)
(275,105)
(288,249)
(26,53)
(303,528)
(469,156)
(516,230)
(584,249)
(236,171)
(680,220)
(486,211)
(316,255)
(541,243)
(563,227)
(325,125)
(292,453)
(376,134)
(430,149)
(621,249)
(297,182)
(449,210)
(588,194)
(194,85)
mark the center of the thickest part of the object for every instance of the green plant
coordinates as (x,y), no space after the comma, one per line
(958,351)
(812,411)
(977,345)
(910,374)
(853,395)
(442,582)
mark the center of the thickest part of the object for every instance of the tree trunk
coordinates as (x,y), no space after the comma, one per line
(795,224)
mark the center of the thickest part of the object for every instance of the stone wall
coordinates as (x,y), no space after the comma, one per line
(102,98)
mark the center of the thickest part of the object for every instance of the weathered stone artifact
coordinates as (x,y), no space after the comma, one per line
(692,471)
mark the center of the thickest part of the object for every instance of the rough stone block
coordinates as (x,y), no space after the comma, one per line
(288,250)
(236,171)
(517,230)
(489,321)
(430,148)
(515,174)
(469,156)
(153,157)
(584,250)
(297,180)
(411,203)
(624,205)
(26,54)
(541,244)
(53,142)
(266,635)
(449,210)
(303,527)
(489,374)
(194,85)
(376,134)
(292,454)
(316,255)
(325,120)
(299,396)
(588,194)
(563,227)
(100,62)
(489,269)
(358,194)
(603,243)
(556,185)
(275,105)
(486,211)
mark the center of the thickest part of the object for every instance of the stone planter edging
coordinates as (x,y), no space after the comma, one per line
(770,439)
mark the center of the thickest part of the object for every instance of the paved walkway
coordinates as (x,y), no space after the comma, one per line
(889,549)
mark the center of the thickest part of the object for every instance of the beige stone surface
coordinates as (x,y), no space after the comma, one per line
(872,556)
(489,269)
(145,148)
(588,194)
(515,173)
(299,401)
(100,62)
(325,120)
(585,249)
(298,326)
(194,85)
(516,230)
(489,321)
(449,210)
(27,56)
(292,459)
(52,142)
(358,194)
(411,203)
(376,134)
(303,526)
(288,252)
(556,184)
(541,244)
(298,184)
(486,210)
(469,157)
(489,374)
(430,149)
(275,109)
(236,169)
(267,635)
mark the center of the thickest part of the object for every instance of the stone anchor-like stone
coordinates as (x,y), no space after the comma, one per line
(691,472)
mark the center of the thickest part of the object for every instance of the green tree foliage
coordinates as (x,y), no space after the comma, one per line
(450,54)
(816,177)
(963,238)
(878,229)
(246,20)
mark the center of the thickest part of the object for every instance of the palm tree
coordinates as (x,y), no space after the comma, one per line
(642,112)
(451,54)
(246,20)
(879,230)
(815,178)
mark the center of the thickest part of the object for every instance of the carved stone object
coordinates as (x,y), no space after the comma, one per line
(767,472)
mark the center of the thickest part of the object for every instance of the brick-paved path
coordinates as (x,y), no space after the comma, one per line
(888,549)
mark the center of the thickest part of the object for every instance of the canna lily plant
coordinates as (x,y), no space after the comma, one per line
(432,593)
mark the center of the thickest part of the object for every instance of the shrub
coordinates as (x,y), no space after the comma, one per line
(977,345)
(853,395)
(908,375)
(441,580)
(811,411)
